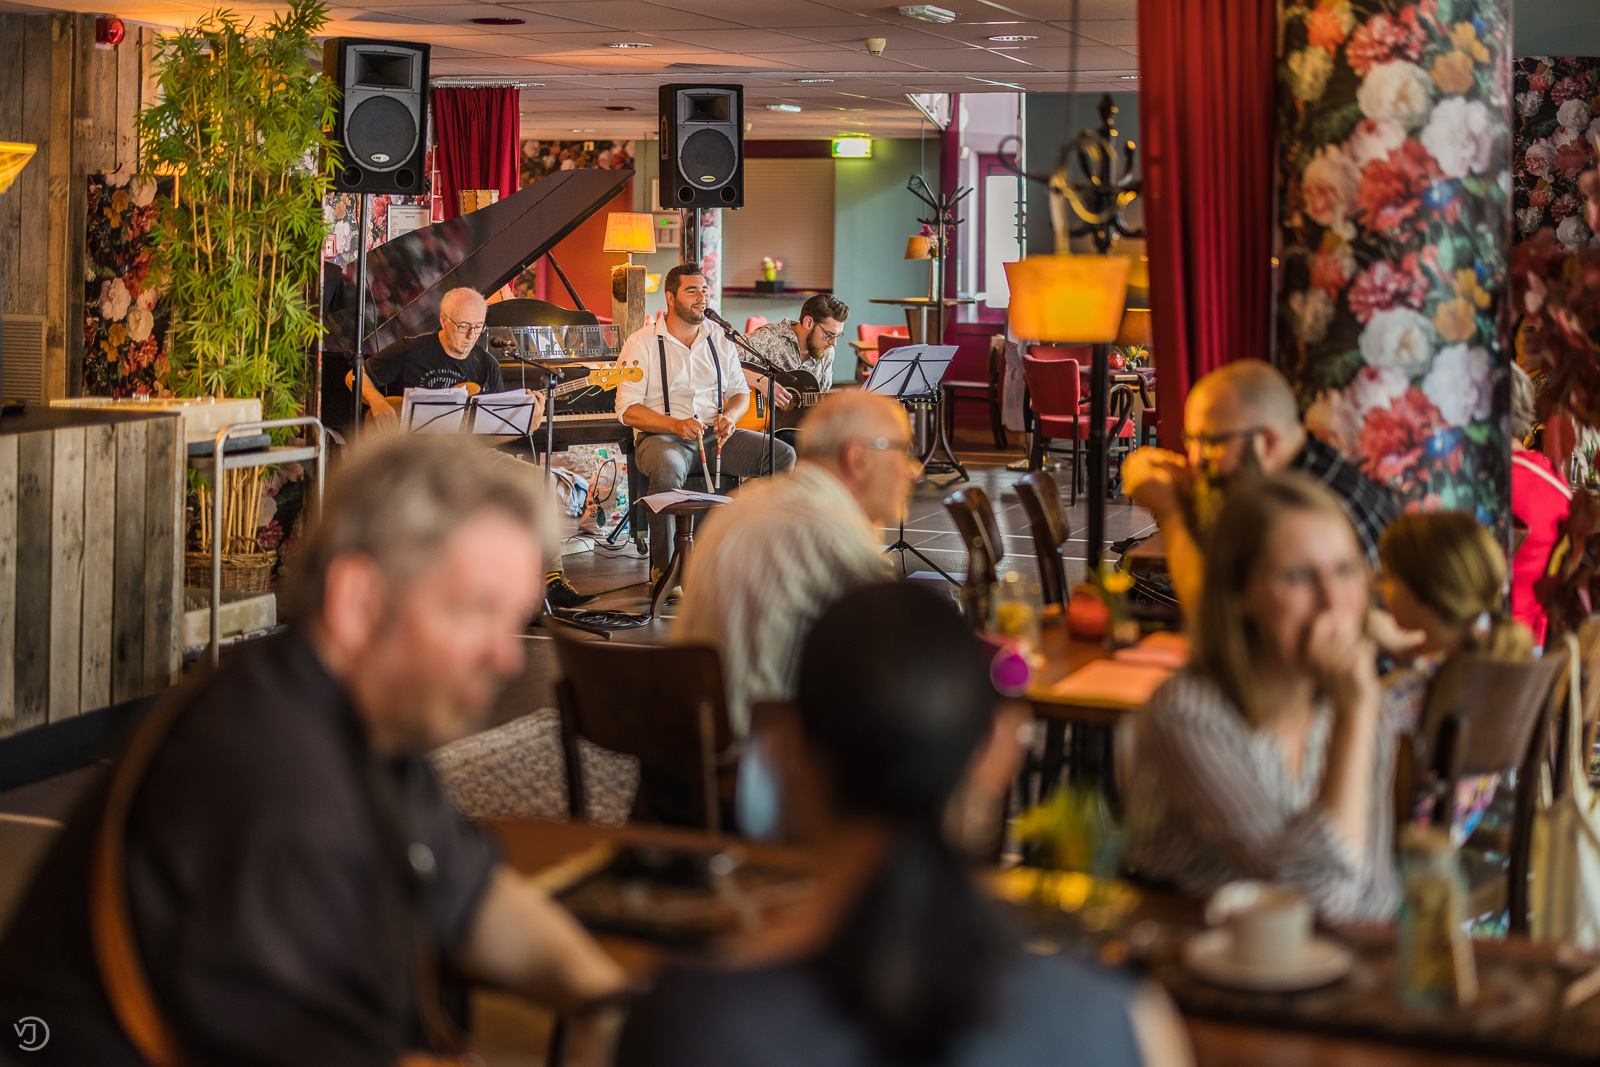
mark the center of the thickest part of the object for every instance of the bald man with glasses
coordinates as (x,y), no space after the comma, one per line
(452,357)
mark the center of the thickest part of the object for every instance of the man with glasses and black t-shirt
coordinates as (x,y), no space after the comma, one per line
(692,392)
(440,360)
(445,360)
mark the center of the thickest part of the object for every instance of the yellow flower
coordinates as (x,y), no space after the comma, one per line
(1453,73)
(1455,320)
(1465,283)
(1464,37)
(1116,582)
(119,200)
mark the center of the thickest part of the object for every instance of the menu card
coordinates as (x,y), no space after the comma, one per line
(1108,683)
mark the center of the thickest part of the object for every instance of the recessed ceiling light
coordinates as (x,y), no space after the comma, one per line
(814,81)
(1015,37)
(927,13)
(1127,77)
(576,130)
(629,44)
(497,21)
(783,107)
(618,107)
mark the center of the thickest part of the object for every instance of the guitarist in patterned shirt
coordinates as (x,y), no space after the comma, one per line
(803,348)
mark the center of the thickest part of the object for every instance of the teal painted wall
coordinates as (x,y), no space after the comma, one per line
(1052,119)
(873,215)
(1555,28)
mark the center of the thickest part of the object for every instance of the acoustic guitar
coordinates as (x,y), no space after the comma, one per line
(603,378)
(802,383)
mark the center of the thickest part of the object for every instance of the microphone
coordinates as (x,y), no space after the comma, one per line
(719,320)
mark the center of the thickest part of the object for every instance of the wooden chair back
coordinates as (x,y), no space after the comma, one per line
(1041,502)
(663,705)
(1486,716)
(969,508)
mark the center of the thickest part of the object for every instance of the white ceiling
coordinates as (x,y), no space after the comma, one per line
(767,45)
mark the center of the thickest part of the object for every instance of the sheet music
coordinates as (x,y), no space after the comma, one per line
(433,410)
(657,501)
(506,414)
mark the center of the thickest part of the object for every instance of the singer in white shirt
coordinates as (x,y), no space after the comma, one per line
(692,392)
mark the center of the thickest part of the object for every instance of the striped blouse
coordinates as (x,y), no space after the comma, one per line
(1218,804)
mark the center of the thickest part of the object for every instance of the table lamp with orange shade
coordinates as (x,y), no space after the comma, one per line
(629,232)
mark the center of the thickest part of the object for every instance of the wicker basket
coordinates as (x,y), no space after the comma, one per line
(247,572)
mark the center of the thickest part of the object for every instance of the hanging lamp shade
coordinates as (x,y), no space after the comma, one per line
(1068,299)
(628,231)
(1135,331)
(13,157)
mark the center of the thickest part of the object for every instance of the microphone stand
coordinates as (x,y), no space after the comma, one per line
(738,339)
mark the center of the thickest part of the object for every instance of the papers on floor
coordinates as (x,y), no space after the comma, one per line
(1167,650)
(657,501)
(1108,683)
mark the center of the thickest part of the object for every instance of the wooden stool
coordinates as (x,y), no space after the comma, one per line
(688,514)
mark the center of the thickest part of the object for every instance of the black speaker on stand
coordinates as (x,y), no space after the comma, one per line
(380,129)
(702,145)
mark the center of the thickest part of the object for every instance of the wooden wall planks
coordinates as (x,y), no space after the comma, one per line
(79,105)
(8,582)
(89,521)
(127,594)
(99,534)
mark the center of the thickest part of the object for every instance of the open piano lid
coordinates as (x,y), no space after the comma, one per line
(482,250)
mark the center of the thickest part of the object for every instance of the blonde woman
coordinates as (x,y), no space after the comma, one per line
(1271,755)
(1444,577)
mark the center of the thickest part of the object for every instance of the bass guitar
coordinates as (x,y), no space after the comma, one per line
(802,383)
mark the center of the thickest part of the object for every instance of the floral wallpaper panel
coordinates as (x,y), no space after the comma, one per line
(125,316)
(341,215)
(1558,117)
(1395,191)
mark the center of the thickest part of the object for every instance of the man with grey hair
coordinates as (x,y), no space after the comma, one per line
(767,565)
(291,874)
(1241,420)
(444,360)
(453,356)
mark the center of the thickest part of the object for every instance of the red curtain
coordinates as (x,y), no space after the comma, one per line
(476,133)
(1208,133)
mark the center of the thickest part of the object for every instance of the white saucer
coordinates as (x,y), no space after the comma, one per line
(1210,956)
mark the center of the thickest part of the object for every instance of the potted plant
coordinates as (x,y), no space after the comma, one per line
(240,120)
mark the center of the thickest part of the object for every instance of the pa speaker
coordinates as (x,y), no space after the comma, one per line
(702,146)
(380,122)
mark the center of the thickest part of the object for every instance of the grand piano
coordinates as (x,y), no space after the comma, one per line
(482,250)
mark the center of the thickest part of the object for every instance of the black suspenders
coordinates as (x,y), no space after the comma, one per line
(666,389)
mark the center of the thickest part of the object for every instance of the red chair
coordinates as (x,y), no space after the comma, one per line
(1082,353)
(985,390)
(868,345)
(1055,393)
(754,322)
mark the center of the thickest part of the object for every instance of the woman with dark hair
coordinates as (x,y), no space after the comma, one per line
(902,960)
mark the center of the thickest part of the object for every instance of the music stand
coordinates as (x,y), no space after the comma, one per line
(433,411)
(912,374)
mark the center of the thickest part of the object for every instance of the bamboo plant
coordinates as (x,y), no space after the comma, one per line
(241,120)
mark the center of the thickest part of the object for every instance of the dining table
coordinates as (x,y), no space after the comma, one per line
(922,321)
(561,854)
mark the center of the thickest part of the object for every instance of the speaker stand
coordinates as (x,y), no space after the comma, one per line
(358,382)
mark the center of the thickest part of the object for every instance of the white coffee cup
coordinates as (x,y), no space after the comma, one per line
(1269,925)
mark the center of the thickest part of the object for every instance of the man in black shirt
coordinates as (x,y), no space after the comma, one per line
(288,850)
(1242,417)
(442,360)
